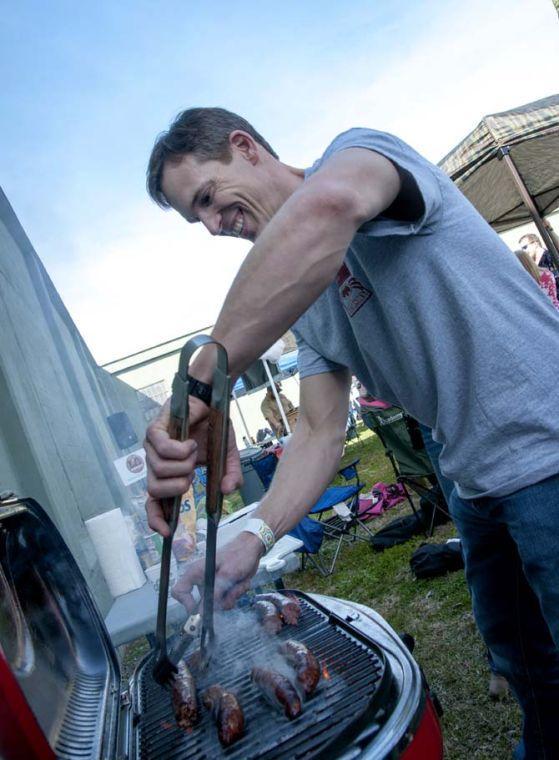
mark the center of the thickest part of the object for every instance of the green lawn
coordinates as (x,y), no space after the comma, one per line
(436,613)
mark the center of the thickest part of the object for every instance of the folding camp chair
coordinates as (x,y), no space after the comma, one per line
(343,500)
(400,435)
(309,531)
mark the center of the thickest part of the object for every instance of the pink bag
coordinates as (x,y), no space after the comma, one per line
(395,494)
(381,498)
(370,506)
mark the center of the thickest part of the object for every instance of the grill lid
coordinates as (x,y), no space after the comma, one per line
(53,639)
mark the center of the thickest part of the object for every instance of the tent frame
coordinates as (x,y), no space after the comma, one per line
(544,227)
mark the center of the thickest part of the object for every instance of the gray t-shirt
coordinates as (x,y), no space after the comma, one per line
(440,318)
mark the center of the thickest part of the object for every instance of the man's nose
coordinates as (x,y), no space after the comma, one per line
(211,221)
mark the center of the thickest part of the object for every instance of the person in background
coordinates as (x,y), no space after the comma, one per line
(354,393)
(542,276)
(532,245)
(271,412)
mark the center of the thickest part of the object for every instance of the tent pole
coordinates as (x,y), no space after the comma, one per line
(276,396)
(247,431)
(547,235)
(552,234)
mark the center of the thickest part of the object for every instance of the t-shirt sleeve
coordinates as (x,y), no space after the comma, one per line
(310,362)
(425,176)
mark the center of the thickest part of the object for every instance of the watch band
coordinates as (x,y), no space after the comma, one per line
(262,530)
(199,390)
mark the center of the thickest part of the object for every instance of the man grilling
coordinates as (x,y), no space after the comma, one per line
(385,270)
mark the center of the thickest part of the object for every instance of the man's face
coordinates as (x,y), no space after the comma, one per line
(233,198)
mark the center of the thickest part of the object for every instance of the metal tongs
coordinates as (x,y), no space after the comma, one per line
(164,668)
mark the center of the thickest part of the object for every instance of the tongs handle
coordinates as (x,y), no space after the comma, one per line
(217,452)
(217,449)
(218,430)
(178,431)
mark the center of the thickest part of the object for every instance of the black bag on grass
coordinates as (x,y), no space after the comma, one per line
(432,560)
(396,532)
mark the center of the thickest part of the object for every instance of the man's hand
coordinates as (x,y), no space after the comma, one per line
(171,464)
(236,564)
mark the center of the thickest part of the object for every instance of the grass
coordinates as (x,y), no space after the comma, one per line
(437,613)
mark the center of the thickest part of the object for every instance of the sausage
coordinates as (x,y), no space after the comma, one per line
(287,606)
(303,661)
(184,697)
(268,616)
(278,690)
(227,713)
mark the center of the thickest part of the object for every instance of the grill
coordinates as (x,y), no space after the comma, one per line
(80,732)
(350,693)
(62,697)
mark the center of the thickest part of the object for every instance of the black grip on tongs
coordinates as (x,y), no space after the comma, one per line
(179,411)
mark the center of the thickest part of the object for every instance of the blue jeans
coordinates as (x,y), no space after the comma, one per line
(511,550)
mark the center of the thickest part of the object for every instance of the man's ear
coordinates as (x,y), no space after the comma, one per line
(245,145)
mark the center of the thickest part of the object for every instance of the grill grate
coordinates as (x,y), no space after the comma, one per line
(356,671)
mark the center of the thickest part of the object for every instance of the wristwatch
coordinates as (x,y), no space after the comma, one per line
(199,390)
(262,530)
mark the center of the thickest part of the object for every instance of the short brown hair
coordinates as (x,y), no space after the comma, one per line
(528,264)
(530,238)
(202,131)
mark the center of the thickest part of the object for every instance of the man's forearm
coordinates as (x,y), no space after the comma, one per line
(305,470)
(295,259)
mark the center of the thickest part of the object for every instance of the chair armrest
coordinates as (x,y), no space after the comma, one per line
(349,470)
(348,465)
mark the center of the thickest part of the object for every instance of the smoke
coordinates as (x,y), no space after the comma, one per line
(241,644)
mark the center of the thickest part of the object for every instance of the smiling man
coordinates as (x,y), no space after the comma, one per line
(385,270)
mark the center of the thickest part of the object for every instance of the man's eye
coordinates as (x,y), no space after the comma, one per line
(205,200)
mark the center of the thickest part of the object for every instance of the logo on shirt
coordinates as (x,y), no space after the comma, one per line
(352,292)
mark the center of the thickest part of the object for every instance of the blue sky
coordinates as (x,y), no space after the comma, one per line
(86,88)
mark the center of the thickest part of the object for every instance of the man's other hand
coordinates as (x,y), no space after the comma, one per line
(171,463)
(236,564)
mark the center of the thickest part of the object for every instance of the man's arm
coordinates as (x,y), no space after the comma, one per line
(299,253)
(305,470)
(313,453)
(294,260)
